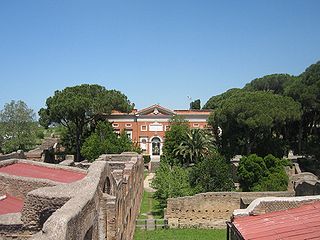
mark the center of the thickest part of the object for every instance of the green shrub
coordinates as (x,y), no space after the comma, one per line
(146,159)
(211,175)
(171,182)
(262,174)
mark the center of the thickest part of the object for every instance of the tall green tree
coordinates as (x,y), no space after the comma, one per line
(306,90)
(171,181)
(79,108)
(212,174)
(196,104)
(275,83)
(17,127)
(216,101)
(105,140)
(179,127)
(195,145)
(250,119)
(262,174)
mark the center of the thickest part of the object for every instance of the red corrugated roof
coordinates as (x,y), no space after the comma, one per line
(10,205)
(297,223)
(35,171)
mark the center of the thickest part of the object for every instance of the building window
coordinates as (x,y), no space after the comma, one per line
(143,128)
(156,127)
(129,134)
(167,128)
(117,131)
(196,125)
(128,125)
(115,125)
(143,143)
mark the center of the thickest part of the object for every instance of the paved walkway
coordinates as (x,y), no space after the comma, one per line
(148,188)
(147,182)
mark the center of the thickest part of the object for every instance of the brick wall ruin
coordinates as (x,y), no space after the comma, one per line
(271,204)
(211,209)
(102,205)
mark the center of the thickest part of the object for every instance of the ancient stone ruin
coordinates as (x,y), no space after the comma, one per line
(61,202)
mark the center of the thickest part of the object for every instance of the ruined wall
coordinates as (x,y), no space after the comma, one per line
(14,155)
(271,204)
(103,205)
(124,194)
(76,206)
(209,210)
(19,186)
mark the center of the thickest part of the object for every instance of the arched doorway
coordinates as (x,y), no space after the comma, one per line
(155,146)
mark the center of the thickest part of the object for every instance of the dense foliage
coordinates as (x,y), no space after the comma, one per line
(17,127)
(171,181)
(196,104)
(262,174)
(255,122)
(178,130)
(305,89)
(105,140)
(211,175)
(299,130)
(190,164)
(274,83)
(195,145)
(78,109)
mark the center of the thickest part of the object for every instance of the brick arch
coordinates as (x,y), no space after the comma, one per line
(107,187)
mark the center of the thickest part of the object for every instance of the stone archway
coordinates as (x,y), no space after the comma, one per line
(107,186)
(156,146)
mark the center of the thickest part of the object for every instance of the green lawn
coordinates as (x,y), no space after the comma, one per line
(183,234)
(150,205)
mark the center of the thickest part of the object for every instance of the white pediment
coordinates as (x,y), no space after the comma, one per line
(155,110)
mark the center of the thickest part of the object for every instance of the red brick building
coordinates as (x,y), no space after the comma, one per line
(147,127)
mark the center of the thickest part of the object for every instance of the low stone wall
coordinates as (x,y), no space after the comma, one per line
(124,194)
(14,155)
(102,205)
(209,210)
(78,216)
(20,186)
(272,204)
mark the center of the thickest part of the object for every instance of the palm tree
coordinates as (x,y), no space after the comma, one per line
(195,146)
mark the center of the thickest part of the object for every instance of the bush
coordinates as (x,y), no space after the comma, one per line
(171,182)
(211,175)
(262,174)
(104,140)
(146,159)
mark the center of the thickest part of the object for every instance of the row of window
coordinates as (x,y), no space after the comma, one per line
(152,128)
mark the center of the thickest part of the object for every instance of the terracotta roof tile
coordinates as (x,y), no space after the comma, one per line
(10,205)
(36,171)
(297,223)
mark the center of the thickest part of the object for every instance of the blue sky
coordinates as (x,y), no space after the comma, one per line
(154,51)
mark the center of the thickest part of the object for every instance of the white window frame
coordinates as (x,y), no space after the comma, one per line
(129,134)
(144,130)
(115,125)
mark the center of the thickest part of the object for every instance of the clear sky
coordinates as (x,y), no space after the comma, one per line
(154,51)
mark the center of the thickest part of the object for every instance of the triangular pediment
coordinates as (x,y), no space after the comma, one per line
(155,110)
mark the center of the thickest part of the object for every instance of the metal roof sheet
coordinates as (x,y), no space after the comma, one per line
(296,223)
(10,205)
(36,171)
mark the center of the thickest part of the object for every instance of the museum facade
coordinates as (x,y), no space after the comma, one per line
(147,127)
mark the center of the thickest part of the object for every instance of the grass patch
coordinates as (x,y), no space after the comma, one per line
(150,205)
(183,234)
